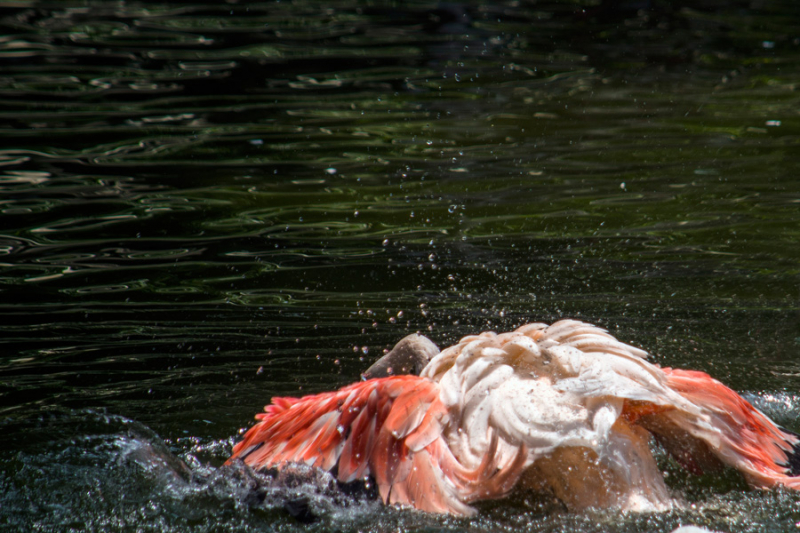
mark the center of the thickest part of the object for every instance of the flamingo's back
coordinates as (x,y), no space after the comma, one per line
(565,408)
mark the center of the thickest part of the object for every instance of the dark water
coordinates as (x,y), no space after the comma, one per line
(203,205)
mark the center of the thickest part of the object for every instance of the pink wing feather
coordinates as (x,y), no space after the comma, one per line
(739,434)
(390,429)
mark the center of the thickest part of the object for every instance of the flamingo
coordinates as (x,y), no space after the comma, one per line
(565,409)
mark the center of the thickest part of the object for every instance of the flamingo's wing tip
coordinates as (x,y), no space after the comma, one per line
(792,462)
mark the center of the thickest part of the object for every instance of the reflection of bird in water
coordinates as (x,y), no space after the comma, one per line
(565,409)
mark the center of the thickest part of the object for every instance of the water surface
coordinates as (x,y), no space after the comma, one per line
(205,204)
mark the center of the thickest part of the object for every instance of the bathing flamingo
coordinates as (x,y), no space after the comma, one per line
(566,409)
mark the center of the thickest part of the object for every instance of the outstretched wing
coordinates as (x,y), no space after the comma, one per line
(390,429)
(731,428)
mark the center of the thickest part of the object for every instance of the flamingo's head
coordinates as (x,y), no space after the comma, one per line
(409,356)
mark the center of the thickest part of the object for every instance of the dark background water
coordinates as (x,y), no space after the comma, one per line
(205,204)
